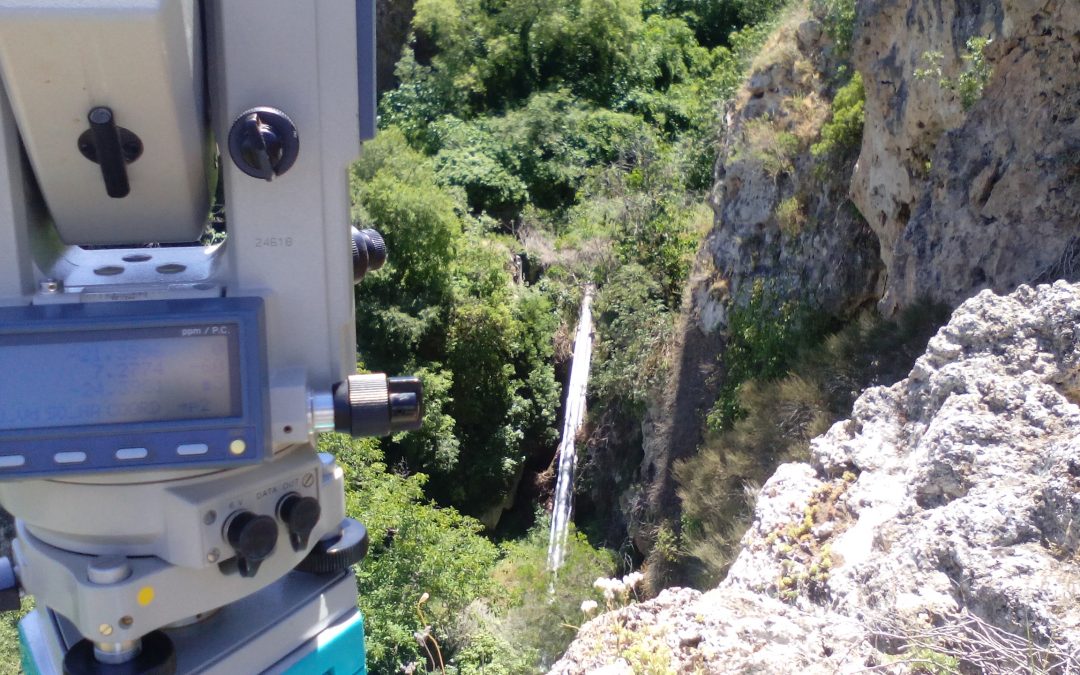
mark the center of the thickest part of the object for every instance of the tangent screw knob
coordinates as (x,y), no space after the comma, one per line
(368,252)
(253,537)
(264,143)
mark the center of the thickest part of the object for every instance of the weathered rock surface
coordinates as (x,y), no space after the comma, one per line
(783,226)
(783,220)
(722,631)
(950,497)
(957,197)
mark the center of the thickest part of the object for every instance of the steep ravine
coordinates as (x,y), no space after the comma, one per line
(784,229)
(940,524)
(967,178)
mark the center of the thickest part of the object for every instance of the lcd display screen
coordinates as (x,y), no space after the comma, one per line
(135,376)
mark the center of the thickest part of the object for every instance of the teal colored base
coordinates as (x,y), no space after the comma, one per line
(28,665)
(339,651)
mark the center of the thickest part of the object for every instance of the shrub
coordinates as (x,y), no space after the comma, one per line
(416,548)
(974,75)
(713,21)
(790,216)
(838,17)
(764,334)
(842,134)
(781,416)
(472,158)
(633,329)
(773,148)
(539,611)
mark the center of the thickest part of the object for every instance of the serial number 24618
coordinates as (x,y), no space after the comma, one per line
(273,242)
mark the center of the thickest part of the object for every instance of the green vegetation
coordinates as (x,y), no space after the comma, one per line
(590,125)
(795,387)
(842,134)
(973,77)
(431,571)
(10,654)
(446,307)
(584,132)
(763,336)
(838,18)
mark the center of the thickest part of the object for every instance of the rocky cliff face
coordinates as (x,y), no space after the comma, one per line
(987,197)
(939,525)
(967,178)
(784,227)
(783,219)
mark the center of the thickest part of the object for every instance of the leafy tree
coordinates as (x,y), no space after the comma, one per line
(416,548)
(713,21)
(445,305)
(633,326)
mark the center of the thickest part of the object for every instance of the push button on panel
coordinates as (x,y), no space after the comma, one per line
(69,457)
(12,461)
(132,453)
(191,449)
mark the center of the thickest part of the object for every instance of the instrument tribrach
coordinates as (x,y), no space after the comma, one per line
(161,390)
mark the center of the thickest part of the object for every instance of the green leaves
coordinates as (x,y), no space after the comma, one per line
(416,548)
(842,134)
(634,327)
(445,306)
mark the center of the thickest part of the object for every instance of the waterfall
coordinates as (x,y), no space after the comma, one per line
(572,421)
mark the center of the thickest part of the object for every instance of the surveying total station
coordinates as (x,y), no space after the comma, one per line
(160,402)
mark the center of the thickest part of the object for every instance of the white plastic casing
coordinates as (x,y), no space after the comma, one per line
(59,60)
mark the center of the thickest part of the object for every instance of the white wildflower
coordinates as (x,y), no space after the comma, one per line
(610,587)
(632,580)
(588,607)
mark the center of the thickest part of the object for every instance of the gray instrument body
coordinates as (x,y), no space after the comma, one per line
(124,505)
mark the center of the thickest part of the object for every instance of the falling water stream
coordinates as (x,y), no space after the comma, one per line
(572,421)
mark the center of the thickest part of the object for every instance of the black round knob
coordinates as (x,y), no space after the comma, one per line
(368,251)
(406,403)
(264,143)
(300,515)
(253,537)
(337,553)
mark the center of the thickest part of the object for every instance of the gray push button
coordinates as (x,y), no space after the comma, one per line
(69,457)
(132,453)
(192,449)
(11,461)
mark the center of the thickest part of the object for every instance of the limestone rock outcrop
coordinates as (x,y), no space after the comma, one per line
(942,518)
(722,631)
(963,200)
(783,220)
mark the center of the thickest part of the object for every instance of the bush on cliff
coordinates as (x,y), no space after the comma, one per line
(781,416)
